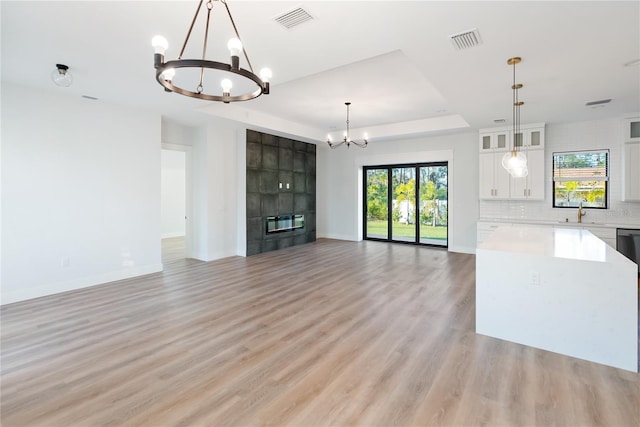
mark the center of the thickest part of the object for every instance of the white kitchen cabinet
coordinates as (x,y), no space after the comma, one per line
(530,136)
(495,183)
(495,141)
(530,187)
(631,172)
(494,179)
(632,129)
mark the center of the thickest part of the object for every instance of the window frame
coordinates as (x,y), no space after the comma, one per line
(390,236)
(605,179)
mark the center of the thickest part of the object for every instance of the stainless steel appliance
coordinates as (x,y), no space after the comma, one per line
(628,244)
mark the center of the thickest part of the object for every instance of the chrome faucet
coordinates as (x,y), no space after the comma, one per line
(581,212)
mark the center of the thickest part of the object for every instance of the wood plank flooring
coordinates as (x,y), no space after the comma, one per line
(331,333)
(173,248)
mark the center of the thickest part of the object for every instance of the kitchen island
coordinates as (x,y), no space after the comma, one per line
(561,290)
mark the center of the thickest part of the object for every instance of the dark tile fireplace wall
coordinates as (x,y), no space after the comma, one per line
(272,160)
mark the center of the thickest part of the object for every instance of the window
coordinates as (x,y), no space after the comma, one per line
(581,177)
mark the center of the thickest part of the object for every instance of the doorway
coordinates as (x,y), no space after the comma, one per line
(406,203)
(174,204)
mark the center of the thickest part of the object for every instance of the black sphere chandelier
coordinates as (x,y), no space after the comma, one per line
(347,138)
(166,71)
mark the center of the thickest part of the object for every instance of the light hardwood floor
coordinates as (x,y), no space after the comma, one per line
(326,334)
(173,248)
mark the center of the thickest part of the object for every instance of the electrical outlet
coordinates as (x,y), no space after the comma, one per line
(65,262)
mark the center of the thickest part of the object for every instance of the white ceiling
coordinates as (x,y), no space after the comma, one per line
(392,59)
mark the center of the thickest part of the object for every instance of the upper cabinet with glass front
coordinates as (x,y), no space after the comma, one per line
(632,129)
(494,181)
(495,140)
(530,136)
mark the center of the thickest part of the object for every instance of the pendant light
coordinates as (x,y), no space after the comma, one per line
(515,161)
(61,76)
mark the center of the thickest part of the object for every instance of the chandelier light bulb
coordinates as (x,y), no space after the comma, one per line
(265,74)
(168,74)
(226,85)
(235,46)
(160,44)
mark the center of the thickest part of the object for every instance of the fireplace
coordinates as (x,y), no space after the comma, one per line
(284,223)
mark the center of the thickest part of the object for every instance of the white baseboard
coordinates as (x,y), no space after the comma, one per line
(175,234)
(462,249)
(71,285)
(336,237)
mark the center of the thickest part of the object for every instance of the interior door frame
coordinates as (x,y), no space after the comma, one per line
(189,227)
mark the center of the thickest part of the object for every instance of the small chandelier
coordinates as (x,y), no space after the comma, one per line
(166,71)
(347,139)
(515,162)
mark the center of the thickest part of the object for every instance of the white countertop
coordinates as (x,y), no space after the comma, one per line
(569,243)
(570,224)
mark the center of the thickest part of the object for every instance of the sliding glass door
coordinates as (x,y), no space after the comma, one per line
(433,202)
(406,203)
(376,203)
(403,204)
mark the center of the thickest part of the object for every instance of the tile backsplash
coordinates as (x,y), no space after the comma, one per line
(593,135)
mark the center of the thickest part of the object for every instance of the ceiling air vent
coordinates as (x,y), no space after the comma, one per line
(294,18)
(466,39)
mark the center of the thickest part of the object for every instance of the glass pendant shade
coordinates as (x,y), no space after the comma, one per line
(61,76)
(515,162)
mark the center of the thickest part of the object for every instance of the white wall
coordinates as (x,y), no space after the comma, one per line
(592,135)
(80,193)
(215,186)
(81,188)
(339,183)
(173,194)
